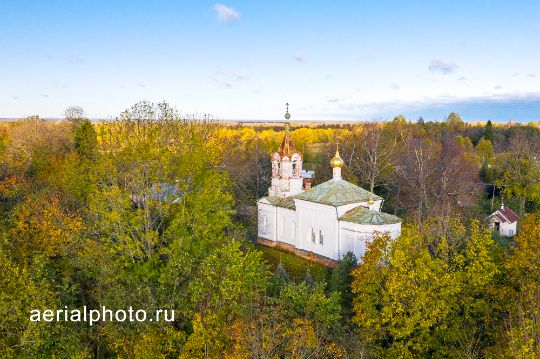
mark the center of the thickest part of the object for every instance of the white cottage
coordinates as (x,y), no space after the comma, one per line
(504,221)
(322,223)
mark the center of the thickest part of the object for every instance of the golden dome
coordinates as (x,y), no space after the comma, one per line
(337,161)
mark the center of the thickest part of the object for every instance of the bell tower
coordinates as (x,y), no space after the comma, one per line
(286,166)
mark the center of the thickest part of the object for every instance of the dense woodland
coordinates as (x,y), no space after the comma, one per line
(157,212)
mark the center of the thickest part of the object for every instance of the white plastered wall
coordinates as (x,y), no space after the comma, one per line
(266,220)
(508,229)
(286,225)
(355,237)
(318,217)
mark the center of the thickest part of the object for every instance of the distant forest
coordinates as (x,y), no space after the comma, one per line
(155,211)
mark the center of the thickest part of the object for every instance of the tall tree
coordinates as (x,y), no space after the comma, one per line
(488,131)
(85,140)
(374,155)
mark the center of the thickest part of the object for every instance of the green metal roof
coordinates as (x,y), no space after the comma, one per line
(287,202)
(362,215)
(336,192)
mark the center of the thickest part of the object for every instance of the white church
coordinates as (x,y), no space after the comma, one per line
(322,223)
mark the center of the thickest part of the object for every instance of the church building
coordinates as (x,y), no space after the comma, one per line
(322,223)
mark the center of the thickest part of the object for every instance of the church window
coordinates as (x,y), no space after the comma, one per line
(321,239)
(312,235)
(264,223)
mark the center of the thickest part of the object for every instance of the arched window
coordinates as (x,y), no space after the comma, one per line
(264,224)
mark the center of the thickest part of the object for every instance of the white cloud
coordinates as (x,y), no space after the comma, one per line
(226,14)
(441,66)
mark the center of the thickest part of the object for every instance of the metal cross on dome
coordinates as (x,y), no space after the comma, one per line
(287,114)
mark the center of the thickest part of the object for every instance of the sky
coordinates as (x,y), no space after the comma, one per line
(243,60)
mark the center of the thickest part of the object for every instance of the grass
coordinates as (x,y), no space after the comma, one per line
(295,266)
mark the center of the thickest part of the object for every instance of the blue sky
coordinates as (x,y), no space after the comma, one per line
(331,60)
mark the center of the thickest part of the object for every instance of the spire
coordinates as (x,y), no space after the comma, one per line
(287,146)
(337,163)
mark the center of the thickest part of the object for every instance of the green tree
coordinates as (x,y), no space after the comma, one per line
(341,281)
(24,288)
(484,148)
(520,177)
(85,139)
(488,131)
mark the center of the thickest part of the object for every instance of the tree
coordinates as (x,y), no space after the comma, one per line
(86,140)
(484,148)
(73,113)
(523,323)
(520,177)
(428,292)
(30,286)
(488,131)
(341,281)
(487,174)
(374,158)
(455,122)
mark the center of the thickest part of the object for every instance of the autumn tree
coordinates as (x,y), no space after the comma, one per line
(372,155)
(519,172)
(522,335)
(455,123)
(427,293)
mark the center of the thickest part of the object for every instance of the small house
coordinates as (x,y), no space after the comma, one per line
(504,221)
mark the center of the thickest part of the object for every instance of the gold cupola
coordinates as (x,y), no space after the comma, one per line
(337,161)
